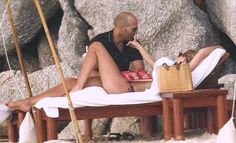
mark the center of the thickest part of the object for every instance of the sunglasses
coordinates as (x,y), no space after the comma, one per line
(134,29)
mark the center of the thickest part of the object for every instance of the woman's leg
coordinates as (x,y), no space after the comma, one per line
(57,91)
(26,104)
(112,80)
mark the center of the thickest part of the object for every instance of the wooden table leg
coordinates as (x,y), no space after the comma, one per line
(88,133)
(20,118)
(178,119)
(211,117)
(40,127)
(51,129)
(146,126)
(221,111)
(12,131)
(167,123)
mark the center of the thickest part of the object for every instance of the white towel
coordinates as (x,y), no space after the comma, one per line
(206,66)
(96,96)
(227,134)
(5,112)
(27,132)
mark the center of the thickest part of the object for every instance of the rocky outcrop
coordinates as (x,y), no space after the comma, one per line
(13,87)
(72,34)
(222,14)
(229,83)
(44,53)
(26,20)
(165,27)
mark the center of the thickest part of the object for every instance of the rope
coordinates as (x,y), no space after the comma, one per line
(5,50)
(233,107)
(3,40)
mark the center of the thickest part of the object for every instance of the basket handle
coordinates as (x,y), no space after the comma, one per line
(177,66)
(166,66)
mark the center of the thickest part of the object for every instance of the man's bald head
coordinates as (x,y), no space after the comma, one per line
(124,19)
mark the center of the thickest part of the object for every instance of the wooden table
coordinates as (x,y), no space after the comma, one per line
(174,104)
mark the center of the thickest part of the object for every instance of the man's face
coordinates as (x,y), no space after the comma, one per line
(130,31)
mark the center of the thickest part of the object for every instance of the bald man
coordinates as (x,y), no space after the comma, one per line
(115,42)
(112,44)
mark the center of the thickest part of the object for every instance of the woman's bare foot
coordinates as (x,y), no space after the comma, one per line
(22,105)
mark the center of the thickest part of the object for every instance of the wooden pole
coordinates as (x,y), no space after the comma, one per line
(18,49)
(59,70)
(19,55)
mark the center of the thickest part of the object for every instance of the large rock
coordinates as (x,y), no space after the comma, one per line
(72,34)
(12,86)
(68,131)
(222,14)
(45,57)
(229,84)
(26,20)
(227,68)
(165,26)
(12,83)
(126,124)
(29,56)
(99,127)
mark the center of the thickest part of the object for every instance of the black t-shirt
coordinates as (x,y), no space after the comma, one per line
(122,59)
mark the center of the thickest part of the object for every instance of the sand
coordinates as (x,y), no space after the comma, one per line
(196,137)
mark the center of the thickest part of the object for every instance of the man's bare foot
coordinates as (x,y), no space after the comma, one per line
(22,105)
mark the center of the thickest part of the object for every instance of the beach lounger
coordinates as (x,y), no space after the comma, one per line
(44,122)
(215,98)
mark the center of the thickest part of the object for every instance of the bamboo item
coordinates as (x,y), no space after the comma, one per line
(19,55)
(59,70)
(18,49)
(174,78)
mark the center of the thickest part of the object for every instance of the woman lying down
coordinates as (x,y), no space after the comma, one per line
(115,84)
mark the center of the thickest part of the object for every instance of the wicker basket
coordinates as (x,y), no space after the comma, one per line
(174,78)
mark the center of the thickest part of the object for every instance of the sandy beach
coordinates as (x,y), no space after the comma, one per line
(191,137)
